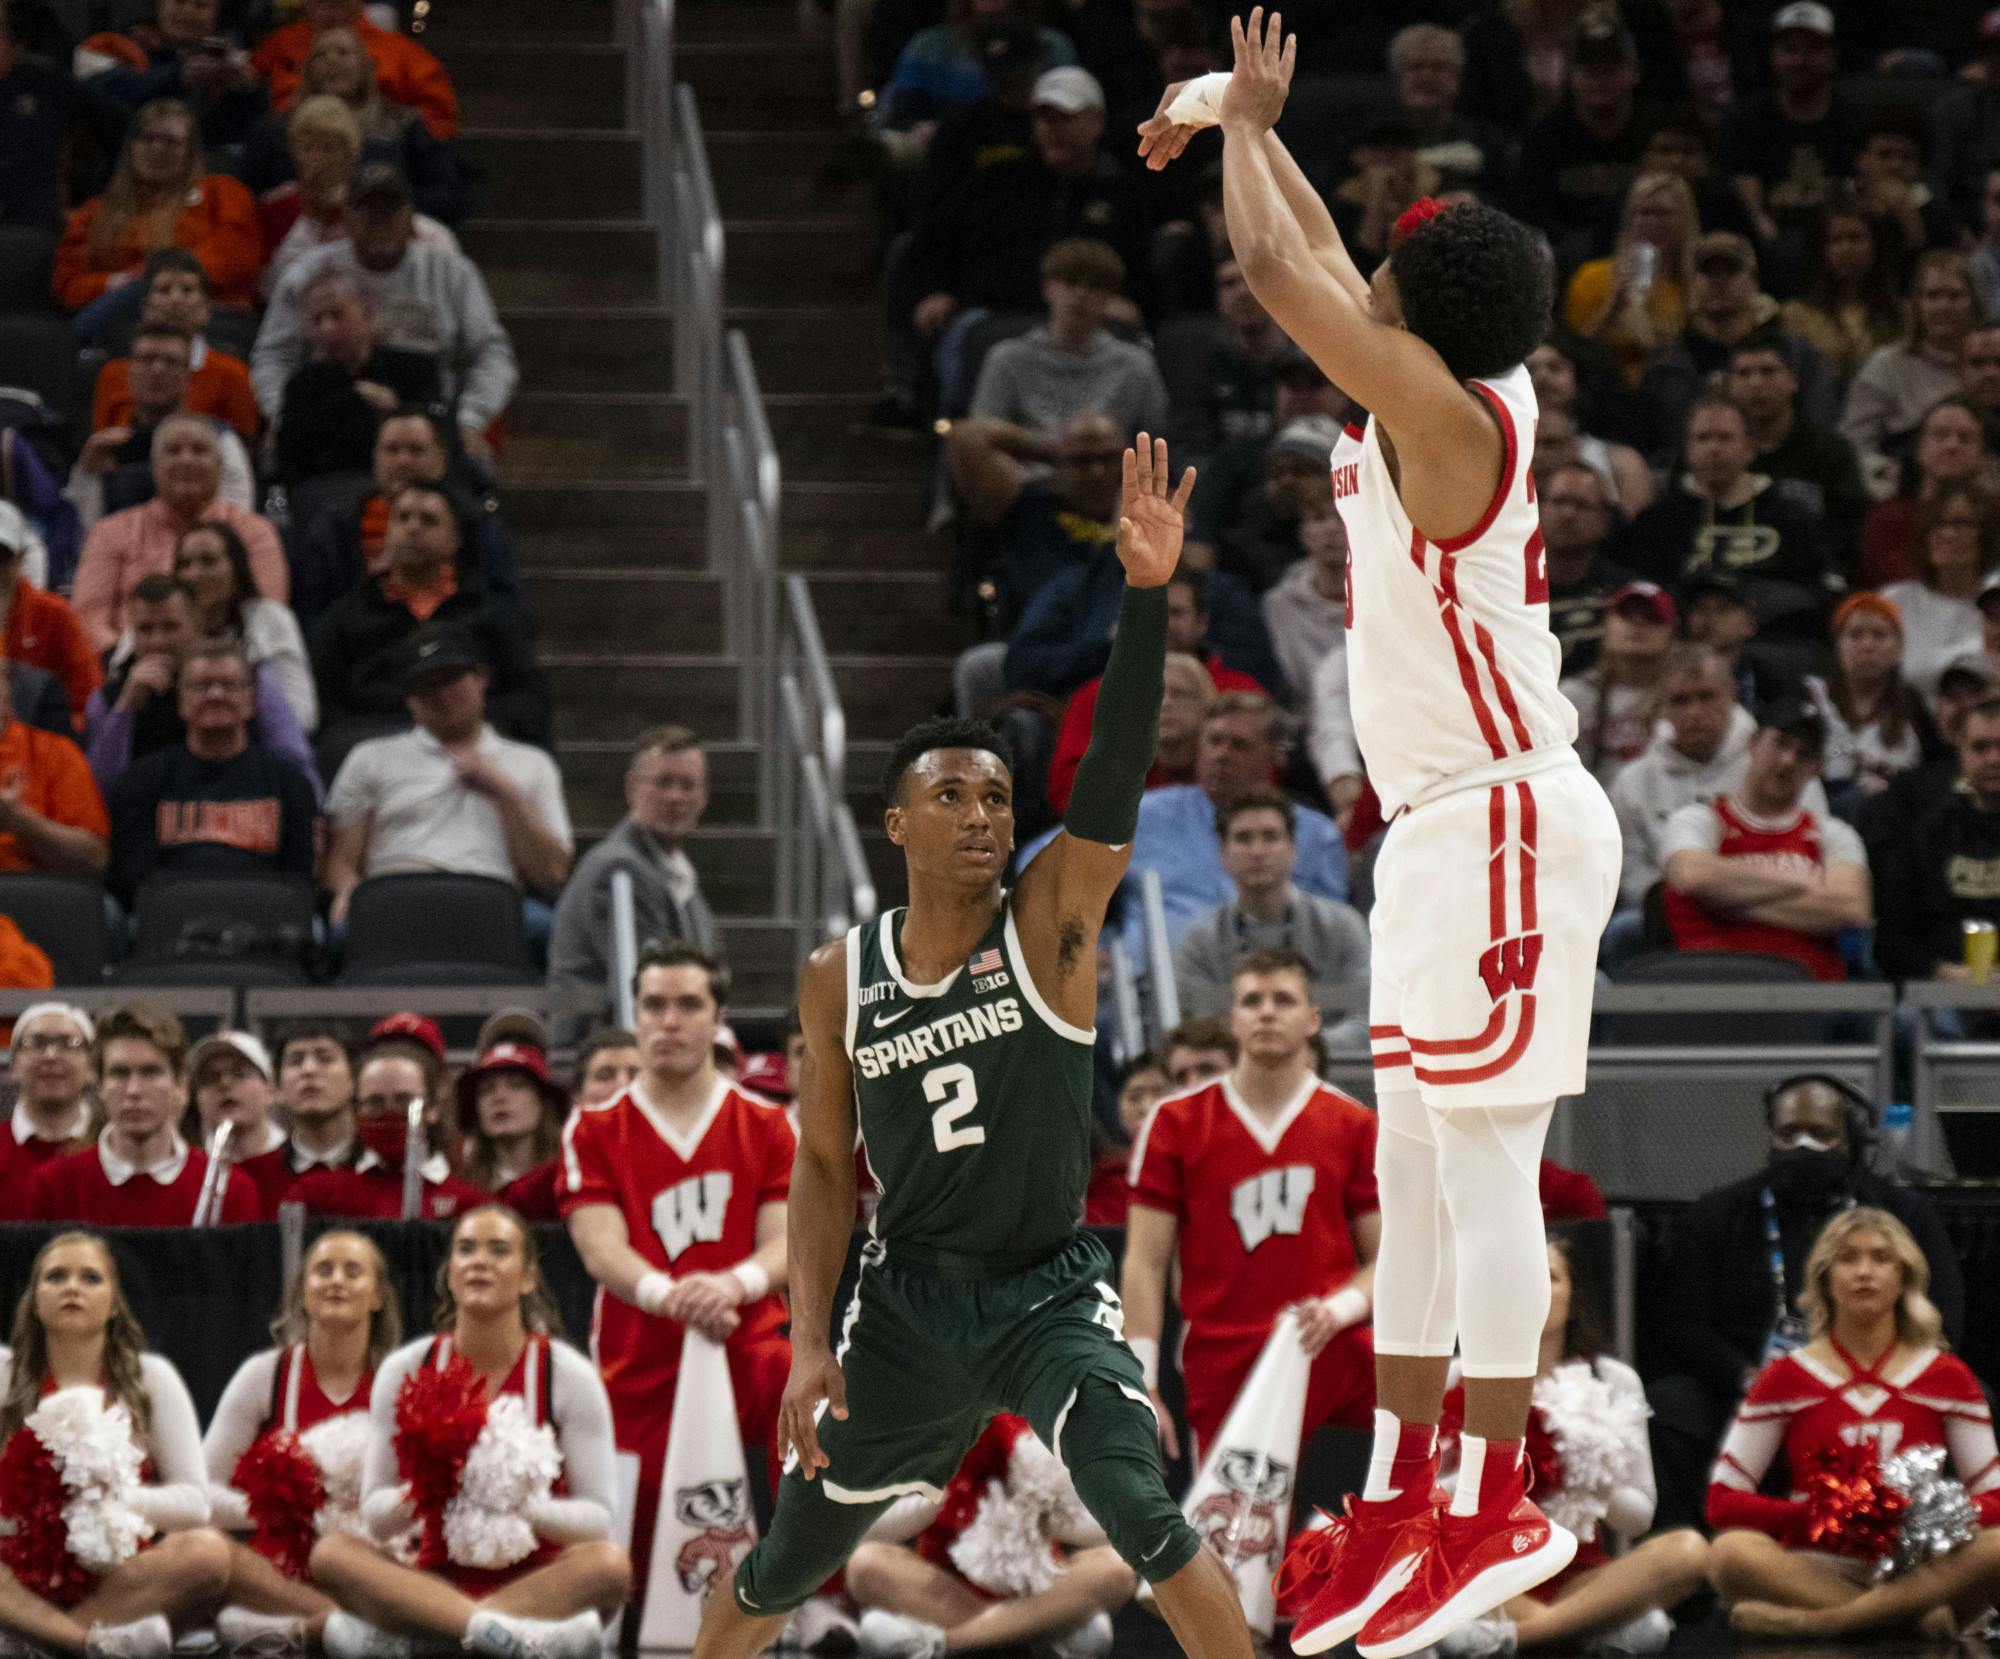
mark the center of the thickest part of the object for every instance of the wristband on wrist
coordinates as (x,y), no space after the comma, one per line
(753,1276)
(651,1292)
(1348,1305)
(1148,1350)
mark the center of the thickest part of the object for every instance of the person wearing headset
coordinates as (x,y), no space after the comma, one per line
(1735,1260)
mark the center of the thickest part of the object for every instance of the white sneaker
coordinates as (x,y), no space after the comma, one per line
(819,1623)
(348,1637)
(1648,1633)
(247,1635)
(1490,1637)
(1089,1640)
(148,1638)
(507,1636)
(886,1635)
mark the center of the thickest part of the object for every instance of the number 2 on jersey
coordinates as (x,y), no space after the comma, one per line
(955,1092)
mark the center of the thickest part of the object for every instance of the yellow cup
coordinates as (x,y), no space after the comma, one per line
(1982,947)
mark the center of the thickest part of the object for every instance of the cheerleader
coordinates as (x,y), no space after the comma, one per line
(305,1399)
(1594,1473)
(101,1478)
(508,1511)
(982,1570)
(1873,1372)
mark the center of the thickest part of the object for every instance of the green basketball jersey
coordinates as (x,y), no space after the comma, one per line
(973,1098)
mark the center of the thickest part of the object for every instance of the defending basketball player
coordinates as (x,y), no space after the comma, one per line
(1500,866)
(958,1034)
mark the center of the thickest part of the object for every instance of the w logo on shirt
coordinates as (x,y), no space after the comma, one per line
(1272,1202)
(693,1212)
(1511,965)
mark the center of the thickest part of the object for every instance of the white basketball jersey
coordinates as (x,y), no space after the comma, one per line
(1451,667)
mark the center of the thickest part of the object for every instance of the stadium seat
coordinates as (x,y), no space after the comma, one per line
(427,930)
(237,930)
(62,915)
(1715,967)
(38,354)
(27,257)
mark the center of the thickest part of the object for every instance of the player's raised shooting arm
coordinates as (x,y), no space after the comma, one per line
(1315,222)
(820,1212)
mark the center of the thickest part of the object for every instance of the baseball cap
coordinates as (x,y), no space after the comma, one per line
(233,1042)
(1655,598)
(1603,39)
(67,1010)
(1310,435)
(1794,717)
(15,536)
(1867,604)
(513,1025)
(729,1047)
(766,1075)
(1721,245)
(1717,582)
(1806,15)
(1975,666)
(379,181)
(523,1057)
(1987,589)
(412,1028)
(436,657)
(1068,88)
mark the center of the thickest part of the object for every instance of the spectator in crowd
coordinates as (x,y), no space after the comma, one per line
(1298,398)
(1892,816)
(1980,368)
(1305,610)
(176,297)
(1137,1087)
(1864,1293)
(1635,300)
(1221,367)
(1187,634)
(607,1061)
(1965,124)
(674,1195)
(1852,302)
(137,710)
(405,72)
(666,792)
(427,299)
(1197,1051)
(395,1075)
(38,629)
(942,70)
(114,469)
(359,643)
(41,107)
(334,406)
(1958,544)
(215,804)
(1384,179)
(348,541)
(48,1058)
(1941,872)
(1726,517)
(1263,541)
(1730,1302)
(1268,912)
(1306,1246)
(139,541)
(1897,385)
(1784,148)
(984,133)
(451,794)
(1463,152)
(1242,749)
(1792,449)
(1614,699)
(316,1090)
(1875,721)
(1757,870)
(1627,481)
(212,560)
(159,196)
(511,1116)
(232,1081)
(1722,615)
(51,814)
(1889,182)
(140,1173)
(1578,161)
(1577,506)
(1950,447)
(1517,56)
(181,52)
(1071,364)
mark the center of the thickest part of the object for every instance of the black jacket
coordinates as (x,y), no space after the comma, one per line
(327,564)
(1945,870)
(326,426)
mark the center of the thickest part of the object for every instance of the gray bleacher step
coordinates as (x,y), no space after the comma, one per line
(524,82)
(813,347)
(593,773)
(763,81)
(764,963)
(451,25)
(769,174)
(739,866)
(766,258)
(555,172)
(567,349)
(608,610)
(880,611)
(564,261)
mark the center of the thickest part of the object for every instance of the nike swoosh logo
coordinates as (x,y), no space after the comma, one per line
(890,1019)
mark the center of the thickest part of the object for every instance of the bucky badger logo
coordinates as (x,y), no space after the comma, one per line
(719,1513)
(1245,1521)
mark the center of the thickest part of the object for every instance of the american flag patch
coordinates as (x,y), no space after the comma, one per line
(986,962)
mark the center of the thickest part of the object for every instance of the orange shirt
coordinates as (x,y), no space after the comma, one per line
(404,71)
(44,632)
(220,389)
(422,603)
(374,533)
(54,780)
(218,225)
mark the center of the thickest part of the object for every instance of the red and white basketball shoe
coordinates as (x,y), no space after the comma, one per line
(1473,1564)
(1351,1567)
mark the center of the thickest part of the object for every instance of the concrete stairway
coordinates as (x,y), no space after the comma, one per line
(596,487)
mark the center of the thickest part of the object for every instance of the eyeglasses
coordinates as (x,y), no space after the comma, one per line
(50,1042)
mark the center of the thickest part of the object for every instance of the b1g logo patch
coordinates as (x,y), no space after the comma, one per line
(1242,1521)
(719,1510)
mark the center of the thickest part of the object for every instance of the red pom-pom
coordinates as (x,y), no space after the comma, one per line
(439,1413)
(1413,218)
(285,1491)
(1850,1509)
(987,1461)
(32,1497)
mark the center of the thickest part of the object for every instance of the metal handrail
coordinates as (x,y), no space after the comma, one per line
(1159,953)
(624,963)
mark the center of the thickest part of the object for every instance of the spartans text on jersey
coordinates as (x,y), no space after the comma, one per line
(921,1044)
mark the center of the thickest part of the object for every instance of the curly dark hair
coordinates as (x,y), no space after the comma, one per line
(1477,287)
(946,732)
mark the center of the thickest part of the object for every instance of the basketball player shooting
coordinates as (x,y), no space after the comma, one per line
(958,1033)
(1500,864)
